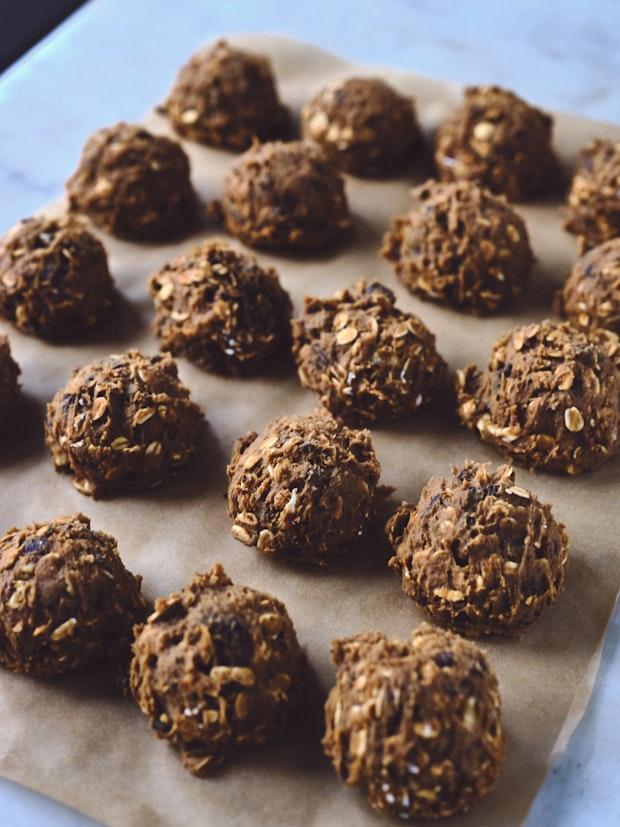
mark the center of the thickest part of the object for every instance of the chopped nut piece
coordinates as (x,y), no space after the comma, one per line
(573,419)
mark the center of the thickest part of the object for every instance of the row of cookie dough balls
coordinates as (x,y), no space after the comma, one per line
(217,668)
(459,246)
(548,398)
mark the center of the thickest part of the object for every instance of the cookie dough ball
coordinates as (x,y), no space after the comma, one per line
(549,397)
(54,278)
(134,185)
(364,124)
(591,294)
(368,360)
(479,553)
(10,392)
(460,246)
(123,422)
(593,208)
(284,196)
(415,723)
(225,97)
(216,668)
(304,490)
(66,598)
(497,140)
(220,309)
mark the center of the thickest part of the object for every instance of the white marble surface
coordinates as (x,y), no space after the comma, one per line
(115,58)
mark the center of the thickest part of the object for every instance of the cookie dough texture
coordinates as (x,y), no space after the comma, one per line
(368,360)
(216,668)
(365,125)
(66,598)
(479,553)
(497,140)
(415,723)
(460,246)
(591,295)
(593,208)
(548,397)
(220,309)
(284,196)
(10,392)
(134,185)
(123,422)
(304,490)
(225,97)
(54,278)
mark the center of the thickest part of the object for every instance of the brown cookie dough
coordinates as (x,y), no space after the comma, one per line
(368,360)
(497,140)
(10,392)
(284,196)
(365,125)
(216,668)
(591,295)
(226,97)
(304,490)
(460,246)
(415,724)
(134,185)
(549,397)
(54,278)
(66,598)
(593,208)
(123,422)
(220,309)
(479,553)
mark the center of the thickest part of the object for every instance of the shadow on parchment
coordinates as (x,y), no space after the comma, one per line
(23,437)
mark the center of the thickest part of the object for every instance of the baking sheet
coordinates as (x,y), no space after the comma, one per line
(76,740)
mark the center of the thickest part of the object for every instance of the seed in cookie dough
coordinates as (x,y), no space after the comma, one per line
(365,125)
(134,185)
(368,360)
(220,309)
(460,246)
(415,724)
(54,278)
(226,97)
(66,598)
(304,490)
(123,422)
(284,196)
(498,141)
(548,398)
(480,554)
(10,391)
(216,668)
(593,207)
(591,295)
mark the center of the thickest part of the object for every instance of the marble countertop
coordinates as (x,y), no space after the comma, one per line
(113,59)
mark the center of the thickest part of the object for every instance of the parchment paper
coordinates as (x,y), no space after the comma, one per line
(75,739)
